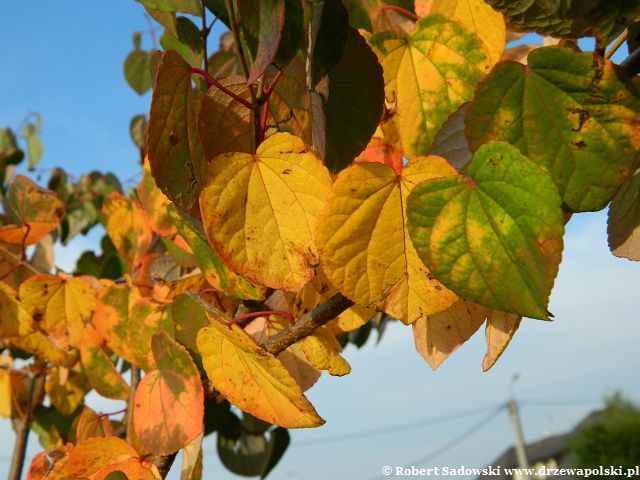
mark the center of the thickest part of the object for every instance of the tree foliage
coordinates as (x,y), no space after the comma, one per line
(334,166)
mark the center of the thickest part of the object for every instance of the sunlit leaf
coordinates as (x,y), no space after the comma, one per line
(364,243)
(60,306)
(50,464)
(15,321)
(66,394)
(381,151)
(479,18)
(494,237)
(5,386)
(438,336)
(322,349)
(90,456)
(253,379)
(498,333)
(585,131)
(260,211)
(154,204)
(33,210)
(91,425)
(99,369)
(131,468)
(192,460)
(127,228)
(168,409)
(218,275)
(292,358)
(624,220)
(428,75)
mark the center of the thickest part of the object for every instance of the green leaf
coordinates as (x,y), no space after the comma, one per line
(31,133)
(136,71)
(106,265)
(10,153)
(169,41)
(138,130)
(569,18)
(624,220)
(215,271)
(494,238)
(173,148)
(429,74)
(189,34)
(193,7)
(584,130)
(353,108)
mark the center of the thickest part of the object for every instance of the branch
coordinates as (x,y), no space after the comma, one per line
(205,34)
(135,380)
(22,433)
(307,324)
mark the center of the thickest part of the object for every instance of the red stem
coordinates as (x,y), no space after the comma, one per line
(260,314)
(265,106)
(23,245)
(401,10)
(213,82)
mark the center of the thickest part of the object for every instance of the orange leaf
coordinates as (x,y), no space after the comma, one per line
(50,464)
(91,425)
(154,204)
(126,227)
(168,409)
(132,468)
(381,151)
(92,455)
(35,211)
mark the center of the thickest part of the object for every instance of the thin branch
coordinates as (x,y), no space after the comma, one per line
(23,245)
(22,434)
(402,11)
(307,324)
(618,43)
(152,33)
(262,313)
(213,82)
(265,107)
(205,35)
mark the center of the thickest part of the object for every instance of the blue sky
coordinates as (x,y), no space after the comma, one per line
(64,60)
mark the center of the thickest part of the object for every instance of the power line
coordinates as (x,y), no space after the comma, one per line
(394,428)
(455,441)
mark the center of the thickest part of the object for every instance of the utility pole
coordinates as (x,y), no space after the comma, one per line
(521,453)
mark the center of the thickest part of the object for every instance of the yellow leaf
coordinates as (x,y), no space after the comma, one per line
(318,290)
(323,351)
(292,358)
(60,306)
(260,211)
(252,379)
(154,204)
(438,336)
(41,346)
(99,369)
(126,227)
(66,394)
(480,19)
(91,425)
(429,74)
(364,244)
(192,459)
(15,321)
(5,386)
(499,331)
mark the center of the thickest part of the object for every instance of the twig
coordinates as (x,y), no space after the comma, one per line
(307,324)
(265,106)
(152,33)
(213,82)
(205,35)
(247,316)
(245,70)
(618,43)
(401,10)
(23,245)
(22,434)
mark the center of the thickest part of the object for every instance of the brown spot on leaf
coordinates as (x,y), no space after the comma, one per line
(173,138)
